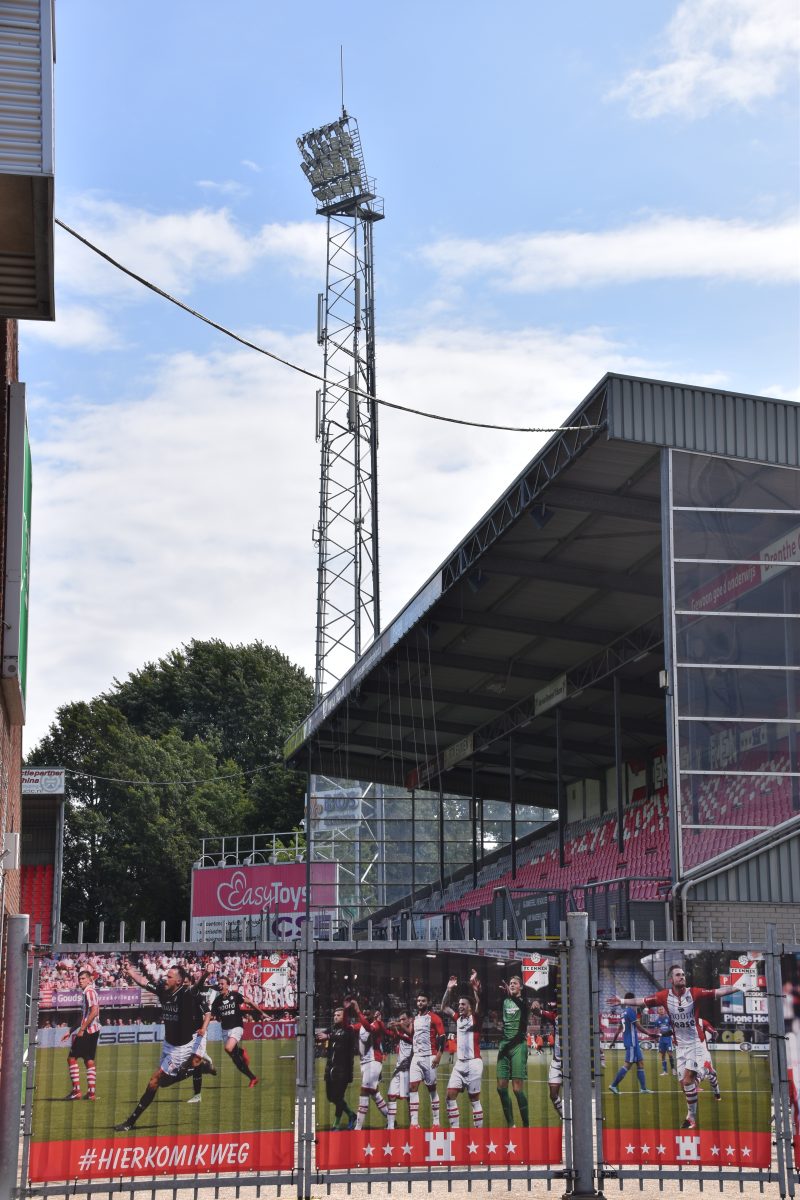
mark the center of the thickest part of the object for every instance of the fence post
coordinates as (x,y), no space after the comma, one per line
(305,1059)
(579,1016)
(779,1069)
(12,1051)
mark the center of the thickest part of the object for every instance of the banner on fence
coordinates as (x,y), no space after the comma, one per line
(685,1059)
(164,1096)
(790,974)
(435,1060)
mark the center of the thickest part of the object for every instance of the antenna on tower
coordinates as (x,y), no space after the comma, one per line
(341,75)
(346,536)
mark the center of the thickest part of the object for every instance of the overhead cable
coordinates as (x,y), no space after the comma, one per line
(167,782)
(285,362)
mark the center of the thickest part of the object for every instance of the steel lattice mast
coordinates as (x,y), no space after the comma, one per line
(348,590)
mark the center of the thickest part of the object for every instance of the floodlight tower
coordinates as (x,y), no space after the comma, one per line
(348,592)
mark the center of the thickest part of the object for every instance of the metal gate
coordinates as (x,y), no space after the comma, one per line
(519,1139)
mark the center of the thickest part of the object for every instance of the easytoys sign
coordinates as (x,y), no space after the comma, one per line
(247,891)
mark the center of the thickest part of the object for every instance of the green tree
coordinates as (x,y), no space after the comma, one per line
(186,748)
(243,702)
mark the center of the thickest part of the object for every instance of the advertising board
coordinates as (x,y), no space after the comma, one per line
(276,893)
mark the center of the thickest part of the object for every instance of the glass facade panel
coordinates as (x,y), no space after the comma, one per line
(700,481)
(736,587)
(738,640)
(700,844)
(737,746)
(737,698)
(760,801)
(390,845)
(702,534)
(716,691)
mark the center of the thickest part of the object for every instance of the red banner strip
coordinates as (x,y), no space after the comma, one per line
(437,1147)
(715,1147)
(128,1156)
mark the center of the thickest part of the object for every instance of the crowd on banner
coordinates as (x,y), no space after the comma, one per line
(271,987)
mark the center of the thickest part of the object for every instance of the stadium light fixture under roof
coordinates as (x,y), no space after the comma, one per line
(333,162)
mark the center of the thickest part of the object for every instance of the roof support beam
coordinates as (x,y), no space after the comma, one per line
(607,503)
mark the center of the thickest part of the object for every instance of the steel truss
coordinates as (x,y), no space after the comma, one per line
(348,591)
(562,450)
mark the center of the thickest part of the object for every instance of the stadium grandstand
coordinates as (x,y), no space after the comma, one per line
(613,649)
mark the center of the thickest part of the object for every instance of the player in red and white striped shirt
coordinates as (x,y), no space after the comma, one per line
(370,1051)
(694,1059)
(428,1044)
(468,1068)
(83,1039)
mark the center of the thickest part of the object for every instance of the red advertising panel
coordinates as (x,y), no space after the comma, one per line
(155,1044)
(278,892)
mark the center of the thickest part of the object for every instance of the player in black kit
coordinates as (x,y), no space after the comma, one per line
(228,1008)
(342,1046)
(186,1017)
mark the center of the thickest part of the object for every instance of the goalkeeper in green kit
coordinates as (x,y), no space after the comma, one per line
(512,1053)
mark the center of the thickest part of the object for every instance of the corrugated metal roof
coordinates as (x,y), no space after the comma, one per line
(704,420)
(26,117)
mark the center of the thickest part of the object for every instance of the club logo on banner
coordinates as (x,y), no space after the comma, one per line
(119,1031)
(536,971)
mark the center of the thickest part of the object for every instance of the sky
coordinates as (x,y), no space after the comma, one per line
(569,190)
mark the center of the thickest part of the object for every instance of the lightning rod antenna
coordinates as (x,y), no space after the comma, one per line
(341,75)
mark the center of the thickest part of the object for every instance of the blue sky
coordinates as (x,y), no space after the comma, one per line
(569,189)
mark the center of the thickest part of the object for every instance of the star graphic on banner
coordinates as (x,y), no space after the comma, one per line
(661,1149)
(511,1147)
(745,1151)
(715,1151)
(406,1148)
(645,1148)
(492,1148)
(387,1150)
(629,1148)
(369,1151)
(729,1150)
(473,1147)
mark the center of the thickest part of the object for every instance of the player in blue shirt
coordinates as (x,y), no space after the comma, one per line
(630,1029)
(663,1027)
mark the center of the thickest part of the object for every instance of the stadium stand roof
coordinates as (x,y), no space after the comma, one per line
(512,650)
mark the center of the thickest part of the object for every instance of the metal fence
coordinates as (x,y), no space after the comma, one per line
(602,1139)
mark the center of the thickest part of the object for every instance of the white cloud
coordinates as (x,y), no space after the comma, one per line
(251,166)
(226,187)
(188,512)
(173,250)
(658,247)
(76,327)
(718,52)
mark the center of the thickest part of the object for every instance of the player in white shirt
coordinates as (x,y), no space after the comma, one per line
(467,1071)
(428,1043)
(401,1031)
(692,1053)
(370,1033)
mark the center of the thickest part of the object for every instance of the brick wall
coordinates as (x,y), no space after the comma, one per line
(743,923)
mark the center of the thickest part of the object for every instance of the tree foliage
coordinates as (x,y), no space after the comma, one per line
(185,748)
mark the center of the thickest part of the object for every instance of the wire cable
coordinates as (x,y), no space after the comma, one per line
(285,362)
(167,782)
